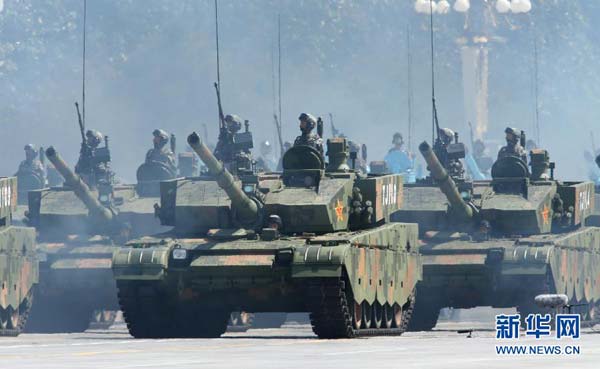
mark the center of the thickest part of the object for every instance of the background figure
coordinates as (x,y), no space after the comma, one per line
(398,159)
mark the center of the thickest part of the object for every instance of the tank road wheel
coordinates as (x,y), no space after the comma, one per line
(14,318)
(367,315)
(4,317)
(396,316)
(377,315)
(357,315)
(388,316)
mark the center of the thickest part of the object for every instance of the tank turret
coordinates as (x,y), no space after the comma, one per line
(83,192)
(246,209)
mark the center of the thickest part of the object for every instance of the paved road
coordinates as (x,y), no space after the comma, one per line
(288,347)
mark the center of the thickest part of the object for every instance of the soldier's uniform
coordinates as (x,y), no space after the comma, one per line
(161,153)
(513,148)
(308,138)
(32,164)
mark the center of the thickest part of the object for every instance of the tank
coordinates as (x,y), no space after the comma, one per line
(19,271)
(331,252)
(78,230)
(501,242)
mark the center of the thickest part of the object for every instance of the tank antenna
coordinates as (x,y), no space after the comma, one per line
(83,55)
(279,67)
(435,127)
(536,90)
(409,81)
(217,42)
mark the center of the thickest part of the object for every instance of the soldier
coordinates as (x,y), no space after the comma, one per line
(161,152)
(398,160)
(32,165)
(513,148)
(90,166)
(308,138)
(225,150)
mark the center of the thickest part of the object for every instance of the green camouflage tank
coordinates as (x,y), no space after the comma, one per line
(311,239)
(78,230)
(500,243)
(18,264)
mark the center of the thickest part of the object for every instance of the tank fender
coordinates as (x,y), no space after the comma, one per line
(138,263)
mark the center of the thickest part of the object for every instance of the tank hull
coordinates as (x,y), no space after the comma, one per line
(373,269)
(510,273)
(19,274)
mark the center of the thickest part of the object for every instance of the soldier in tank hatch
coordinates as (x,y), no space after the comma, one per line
(161,152)
(308,137)
(93,164)
(31,164)
(513,147)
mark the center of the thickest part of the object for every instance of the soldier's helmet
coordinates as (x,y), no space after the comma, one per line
(30,150)
(266,147)
(398,139)
(234,123)
(446,135)
(513,135)
(275,219)
(310,121)
(93,137)
(161,137)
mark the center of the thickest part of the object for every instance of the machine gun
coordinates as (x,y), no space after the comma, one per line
(222,127)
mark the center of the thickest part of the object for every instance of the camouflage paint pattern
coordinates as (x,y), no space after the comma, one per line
(19,271)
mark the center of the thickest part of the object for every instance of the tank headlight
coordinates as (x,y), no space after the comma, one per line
(179,254)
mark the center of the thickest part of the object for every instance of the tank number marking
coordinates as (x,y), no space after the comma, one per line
(389,194)
(5,196)
(585,200)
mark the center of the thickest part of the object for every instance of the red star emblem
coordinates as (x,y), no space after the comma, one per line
(339,211)
(546,214)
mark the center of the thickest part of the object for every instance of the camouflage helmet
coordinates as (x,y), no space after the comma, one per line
(514,132)
(446,135)
(30,151)
(311,122)
(233,122)
(93,137)
(398,138)
(275,219)
(162,136)
(30,147)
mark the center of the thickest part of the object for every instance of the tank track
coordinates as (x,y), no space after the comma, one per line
(330,314)
(149,313)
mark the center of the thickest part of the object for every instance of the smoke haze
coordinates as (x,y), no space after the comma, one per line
(151,64)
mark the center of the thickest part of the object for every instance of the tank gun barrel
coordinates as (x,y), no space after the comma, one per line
(445,182)
(82,191)
(246,209)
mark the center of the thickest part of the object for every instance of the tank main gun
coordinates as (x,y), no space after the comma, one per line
(246,209)
(81,190)
(446,184)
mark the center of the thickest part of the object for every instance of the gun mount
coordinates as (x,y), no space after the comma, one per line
(246,208)
(81,190)
(446,183)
